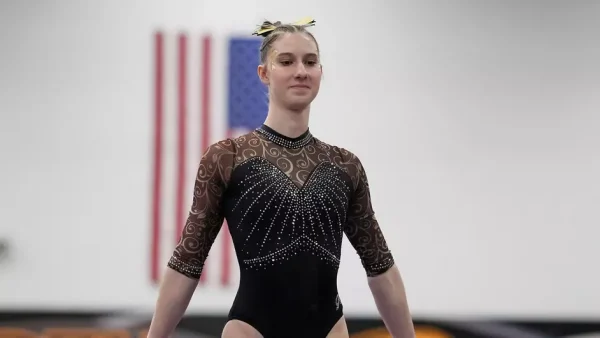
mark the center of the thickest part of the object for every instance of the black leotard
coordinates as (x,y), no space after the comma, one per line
(287,203)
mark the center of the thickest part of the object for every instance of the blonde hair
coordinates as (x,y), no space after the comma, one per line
(272,31)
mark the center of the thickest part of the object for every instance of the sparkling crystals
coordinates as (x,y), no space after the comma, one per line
(189,270)
(379,267)
(283,141)
(278,219)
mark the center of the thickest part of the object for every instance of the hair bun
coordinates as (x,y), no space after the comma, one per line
(266,24)
(266,28)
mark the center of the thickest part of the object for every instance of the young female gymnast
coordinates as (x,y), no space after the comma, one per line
(288,199)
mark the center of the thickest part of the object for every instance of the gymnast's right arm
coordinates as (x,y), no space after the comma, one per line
(201,228)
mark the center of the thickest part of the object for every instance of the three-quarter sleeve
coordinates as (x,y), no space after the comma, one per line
(362,228)
(205,217)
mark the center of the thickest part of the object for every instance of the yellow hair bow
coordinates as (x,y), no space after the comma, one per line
(305,22)
(267,27)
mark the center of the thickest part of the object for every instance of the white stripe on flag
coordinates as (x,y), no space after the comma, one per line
(169,158)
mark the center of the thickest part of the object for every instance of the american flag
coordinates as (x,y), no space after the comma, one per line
(183,95)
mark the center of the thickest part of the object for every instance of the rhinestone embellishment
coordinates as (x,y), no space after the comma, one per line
(305,219)
(285,142)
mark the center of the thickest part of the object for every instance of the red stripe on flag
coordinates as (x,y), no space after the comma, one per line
(205,79)
(205,92)
(181,137)
(157,163)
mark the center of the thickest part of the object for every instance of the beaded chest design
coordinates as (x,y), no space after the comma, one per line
(272,219)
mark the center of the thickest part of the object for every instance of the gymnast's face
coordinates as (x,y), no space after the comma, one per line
(292,71)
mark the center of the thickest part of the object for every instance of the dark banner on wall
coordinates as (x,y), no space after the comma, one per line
(77,325)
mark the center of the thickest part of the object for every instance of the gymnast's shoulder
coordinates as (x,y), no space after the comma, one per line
(227,148)
(344,154)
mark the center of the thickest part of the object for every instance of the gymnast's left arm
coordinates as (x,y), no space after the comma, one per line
(385,281)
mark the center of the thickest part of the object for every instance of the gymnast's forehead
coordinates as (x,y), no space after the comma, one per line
(294,44)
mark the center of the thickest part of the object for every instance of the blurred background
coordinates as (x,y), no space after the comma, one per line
(477,121)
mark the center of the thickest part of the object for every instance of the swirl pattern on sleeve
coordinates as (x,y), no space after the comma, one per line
(205,217)
(362,228)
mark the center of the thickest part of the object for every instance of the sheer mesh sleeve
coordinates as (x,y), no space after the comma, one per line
(362,228)
(205,217)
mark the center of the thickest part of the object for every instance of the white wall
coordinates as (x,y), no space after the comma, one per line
(477,122)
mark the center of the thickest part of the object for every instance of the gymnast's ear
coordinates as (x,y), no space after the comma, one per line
(263,74)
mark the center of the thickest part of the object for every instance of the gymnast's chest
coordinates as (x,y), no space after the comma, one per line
(262,195)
